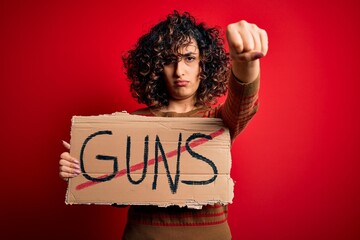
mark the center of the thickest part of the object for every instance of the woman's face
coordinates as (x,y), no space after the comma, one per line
(182,78)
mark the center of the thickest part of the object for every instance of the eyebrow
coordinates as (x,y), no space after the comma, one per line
(188,54)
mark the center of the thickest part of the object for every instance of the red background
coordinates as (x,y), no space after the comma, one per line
(296,165)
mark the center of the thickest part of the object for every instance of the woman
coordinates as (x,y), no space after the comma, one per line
(178,69)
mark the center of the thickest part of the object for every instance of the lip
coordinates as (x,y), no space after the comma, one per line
(181,83)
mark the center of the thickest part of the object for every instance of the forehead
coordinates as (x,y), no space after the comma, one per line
(190,47)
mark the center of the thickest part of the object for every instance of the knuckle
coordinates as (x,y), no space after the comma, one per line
(64,155)
(254,26)
(232,25)
(63,163)
(263,33)
(243,22)
(230,28)
(237,45)
(62,175)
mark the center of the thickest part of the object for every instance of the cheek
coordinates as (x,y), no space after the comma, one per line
(198,75)
(195,71)
(167,73)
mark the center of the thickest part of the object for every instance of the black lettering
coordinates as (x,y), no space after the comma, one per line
(172,183)
(146,156)
(200,157)
(98,157)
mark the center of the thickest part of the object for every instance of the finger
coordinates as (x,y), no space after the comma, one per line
(234,39)
(65,176)
(66,145)
(250,56)
(68,164)
(264,42)
(70,170)
(255,33)
(67,172)
(248,39)
(68,157)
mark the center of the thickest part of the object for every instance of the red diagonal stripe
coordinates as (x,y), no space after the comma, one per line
(139,166)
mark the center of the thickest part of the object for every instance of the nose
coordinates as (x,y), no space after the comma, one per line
(180,68)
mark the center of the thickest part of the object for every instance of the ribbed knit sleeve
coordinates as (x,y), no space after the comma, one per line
(240,105)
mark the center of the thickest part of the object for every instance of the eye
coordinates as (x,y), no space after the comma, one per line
(190,58)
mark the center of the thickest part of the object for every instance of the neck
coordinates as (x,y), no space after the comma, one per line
(180,106)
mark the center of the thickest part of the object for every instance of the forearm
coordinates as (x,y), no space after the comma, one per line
(241,104)
(246,71)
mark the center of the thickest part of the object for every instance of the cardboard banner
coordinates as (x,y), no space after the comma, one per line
(136,160)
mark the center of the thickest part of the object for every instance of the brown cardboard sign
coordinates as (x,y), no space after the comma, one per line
(136,160)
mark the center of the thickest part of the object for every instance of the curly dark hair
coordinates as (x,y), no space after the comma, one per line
(145,63)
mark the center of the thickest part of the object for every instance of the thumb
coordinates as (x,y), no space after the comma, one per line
(249,56)
(66,145)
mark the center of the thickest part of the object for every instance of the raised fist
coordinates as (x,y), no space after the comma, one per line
(247,42)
